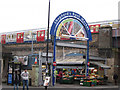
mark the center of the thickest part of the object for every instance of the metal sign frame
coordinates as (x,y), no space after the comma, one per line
(54,28)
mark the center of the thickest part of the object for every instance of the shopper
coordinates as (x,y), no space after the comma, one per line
(60,75)
(72,72)
(16,80)
(115,77)
(25,78)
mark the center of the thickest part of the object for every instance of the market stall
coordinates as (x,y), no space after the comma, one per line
(70,76)
(93,79)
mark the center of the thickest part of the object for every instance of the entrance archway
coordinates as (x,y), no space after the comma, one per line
(70,25)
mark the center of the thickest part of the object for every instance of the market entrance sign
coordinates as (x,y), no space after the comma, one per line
(70,25)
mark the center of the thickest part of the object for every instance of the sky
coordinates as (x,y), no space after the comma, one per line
(16,15)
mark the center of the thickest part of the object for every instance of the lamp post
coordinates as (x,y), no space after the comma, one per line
(47,39)
(28,37)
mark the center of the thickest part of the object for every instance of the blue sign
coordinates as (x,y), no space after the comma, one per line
(70,17)
(10,78)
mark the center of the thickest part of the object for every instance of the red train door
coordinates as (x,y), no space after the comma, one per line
(94,28)
(40,35)
(20,37)
(3,39)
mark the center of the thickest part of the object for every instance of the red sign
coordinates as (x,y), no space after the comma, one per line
(54,63)
(88,63)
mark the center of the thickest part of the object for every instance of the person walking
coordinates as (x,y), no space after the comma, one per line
(115,77)
(60,75)
(25,78)
(16,80)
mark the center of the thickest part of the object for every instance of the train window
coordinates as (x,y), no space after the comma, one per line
(92,28)
(21,35)
(18,36)
(96,28)
(27,35)
(3,37)
(7,36)
(33,33)
(42,33)
(39,34)
(12,36)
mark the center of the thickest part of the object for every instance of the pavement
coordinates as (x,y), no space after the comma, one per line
(57,86)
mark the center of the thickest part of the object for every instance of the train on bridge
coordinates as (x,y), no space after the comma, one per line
(36,35)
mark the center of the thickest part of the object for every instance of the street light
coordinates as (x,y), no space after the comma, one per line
(47,39)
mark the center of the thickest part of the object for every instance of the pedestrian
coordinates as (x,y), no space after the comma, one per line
(16,80)
(72,72)
(60,76)
(115,77)
(25,78)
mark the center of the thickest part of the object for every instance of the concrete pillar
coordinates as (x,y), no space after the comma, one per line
(110,72)
(40,81)
(1,70)
(4,74)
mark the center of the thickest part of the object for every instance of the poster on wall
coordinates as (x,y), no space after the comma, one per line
(22,59)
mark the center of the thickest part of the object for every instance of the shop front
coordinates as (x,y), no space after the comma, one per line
(72,72)
(97,75)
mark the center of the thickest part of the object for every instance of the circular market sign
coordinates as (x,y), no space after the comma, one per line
(70,25)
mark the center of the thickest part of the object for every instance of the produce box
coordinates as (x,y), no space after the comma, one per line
(93,83)
(87,84)
(84,83)
(67,80)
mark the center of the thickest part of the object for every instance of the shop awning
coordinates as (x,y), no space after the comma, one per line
(70,67)
(97,58)
(67,63)
(71,45)
(71,61)
(101,65)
